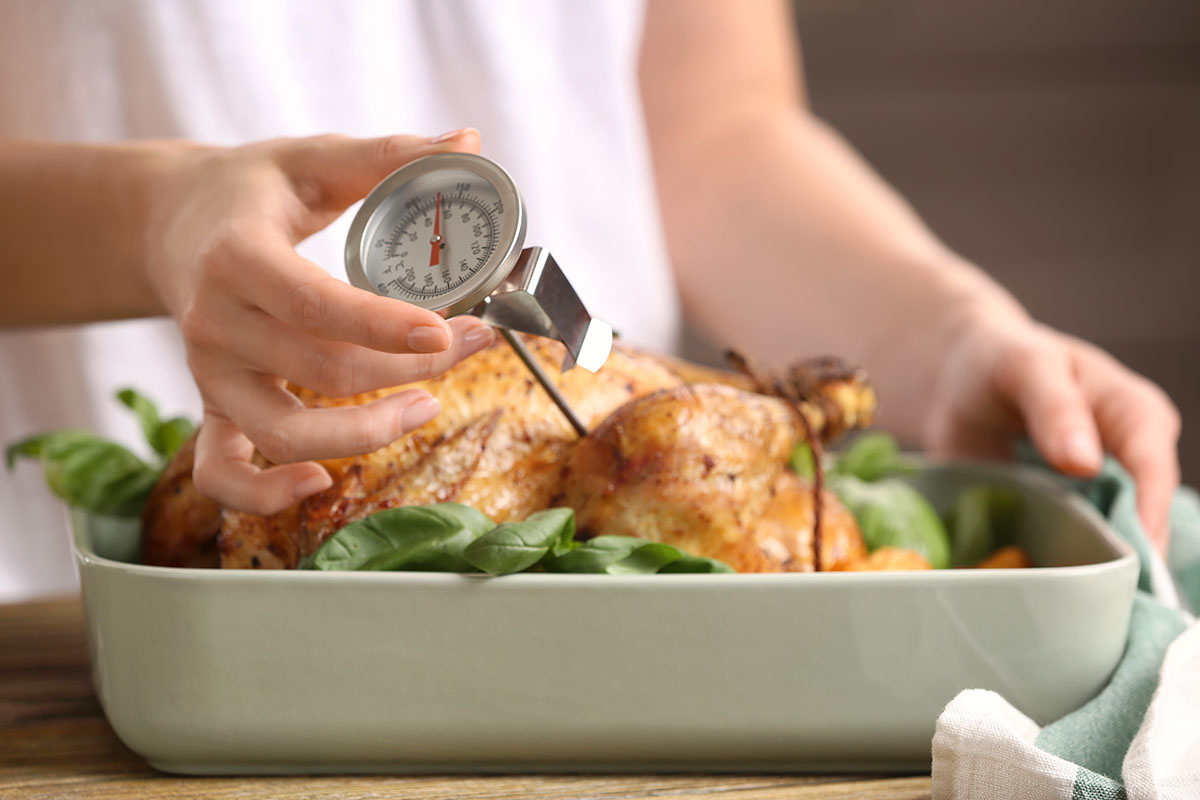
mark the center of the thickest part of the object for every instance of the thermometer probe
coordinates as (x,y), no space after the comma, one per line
(447,232)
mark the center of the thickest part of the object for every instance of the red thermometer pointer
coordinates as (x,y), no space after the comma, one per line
(435,256)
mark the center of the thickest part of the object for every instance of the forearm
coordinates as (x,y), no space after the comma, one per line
(72,230)
(786,244)
(784,241)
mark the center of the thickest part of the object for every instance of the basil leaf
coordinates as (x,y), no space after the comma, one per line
(171,435)
(517,546)
(89,472)
(658,558)
(891,513)
(802,462)
(30,447)
(646,560)
(629,555)
(102,476)
(594,555)
(871,456)
(695,564)
(405,538)
(144,410)
(982,519)
(164,437)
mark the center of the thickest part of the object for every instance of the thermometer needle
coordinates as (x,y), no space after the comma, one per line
(435,256)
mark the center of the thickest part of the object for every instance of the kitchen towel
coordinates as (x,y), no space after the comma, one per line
(1139,738)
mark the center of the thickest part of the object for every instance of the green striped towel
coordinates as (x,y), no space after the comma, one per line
(1139,738)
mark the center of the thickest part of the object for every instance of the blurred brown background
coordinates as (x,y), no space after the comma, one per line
(1055,144)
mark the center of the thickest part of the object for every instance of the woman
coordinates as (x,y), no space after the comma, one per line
(667,159)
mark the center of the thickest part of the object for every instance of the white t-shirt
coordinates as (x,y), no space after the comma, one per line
(551,85)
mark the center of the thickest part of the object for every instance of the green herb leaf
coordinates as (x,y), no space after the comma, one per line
(594,555)
(891,513)
(695,564)
(144,409)
(164,437)
(89,472)
(982,519)
(646,560)
(517,546)
(30,447)
(406,538)
(629,555)
(171,435)
(871,456)
(801,461)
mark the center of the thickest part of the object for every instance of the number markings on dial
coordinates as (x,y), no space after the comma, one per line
(469,224)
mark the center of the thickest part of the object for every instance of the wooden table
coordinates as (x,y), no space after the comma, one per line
(55,743)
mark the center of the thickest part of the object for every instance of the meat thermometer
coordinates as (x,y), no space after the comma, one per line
(447,233)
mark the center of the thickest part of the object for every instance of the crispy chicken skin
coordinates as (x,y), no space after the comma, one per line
(500,445)
(180,524)
(704,467)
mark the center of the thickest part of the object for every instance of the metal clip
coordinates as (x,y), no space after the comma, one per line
(537,298)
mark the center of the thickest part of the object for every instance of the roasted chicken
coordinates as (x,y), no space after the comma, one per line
(704,467)
(677,453)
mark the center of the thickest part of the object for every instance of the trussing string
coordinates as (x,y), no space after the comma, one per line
(796,392)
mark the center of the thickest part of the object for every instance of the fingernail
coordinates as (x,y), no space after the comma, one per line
(450,135)
(310,486)
(420,412)
(428,339)
(1081,449)
(476,339)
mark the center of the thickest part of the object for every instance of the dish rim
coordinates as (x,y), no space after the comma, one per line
(1122,553)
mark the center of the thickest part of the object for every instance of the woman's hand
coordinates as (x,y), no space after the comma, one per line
(852,270)
(254,314)
(1005,376)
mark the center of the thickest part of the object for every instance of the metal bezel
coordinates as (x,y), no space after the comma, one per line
(483,283)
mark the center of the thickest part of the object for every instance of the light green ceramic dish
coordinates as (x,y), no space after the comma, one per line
(210,671)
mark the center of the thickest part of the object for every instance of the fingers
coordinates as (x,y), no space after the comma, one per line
(251,310)
(225,472)
(224,468)
(331,172)
(284,430)
(1075,398)
(1140,426)
(268,274)
(1155,470)
(1040,378)
(338,369)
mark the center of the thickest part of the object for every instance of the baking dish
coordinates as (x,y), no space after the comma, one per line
(230,671)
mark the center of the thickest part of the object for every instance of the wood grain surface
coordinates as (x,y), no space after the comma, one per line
(55,743)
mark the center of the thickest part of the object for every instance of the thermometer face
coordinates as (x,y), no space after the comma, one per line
(442,233)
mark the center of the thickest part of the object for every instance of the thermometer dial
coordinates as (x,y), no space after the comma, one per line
(441,232)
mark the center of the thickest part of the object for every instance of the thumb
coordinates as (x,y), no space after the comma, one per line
(332,172)
(1042,383)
